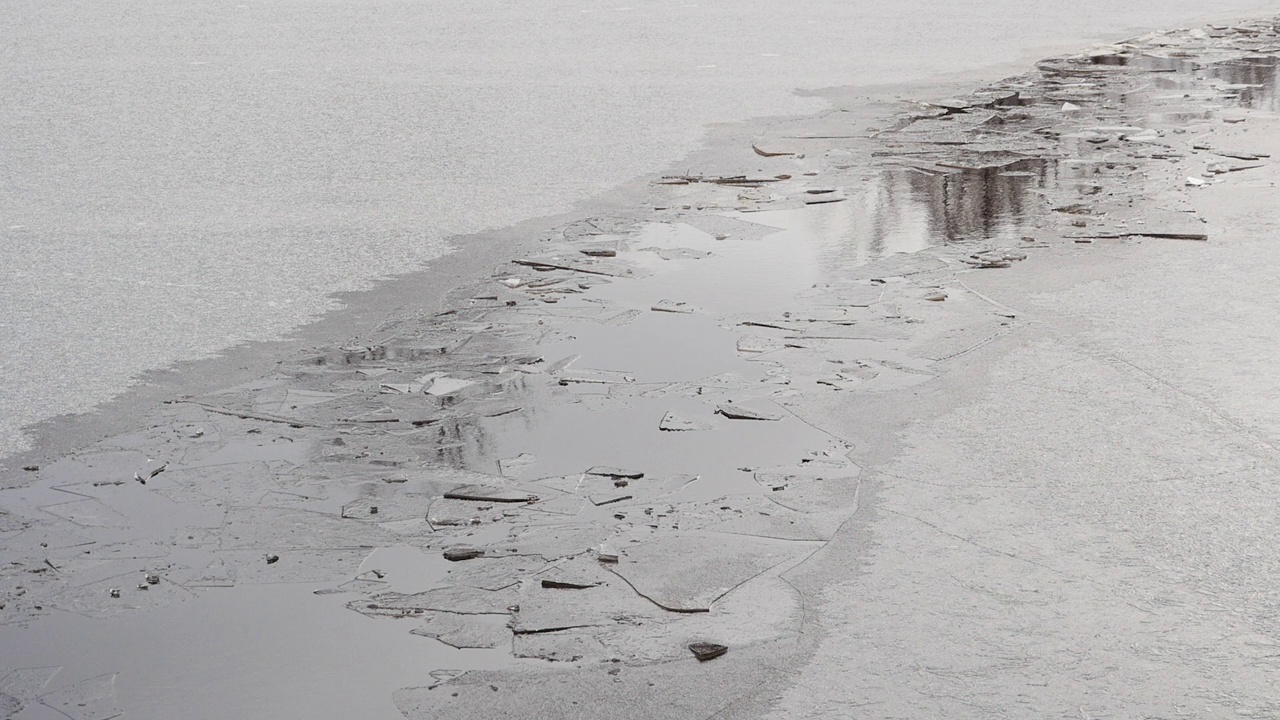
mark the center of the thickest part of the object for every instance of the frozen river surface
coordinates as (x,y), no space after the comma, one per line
(180,177)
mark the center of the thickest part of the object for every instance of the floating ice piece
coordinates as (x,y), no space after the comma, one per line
(588,265)
(568,585)
(679,253)
(1117,129)
(759,344)
(494,571)
(87,513)
(1162,223)
(594,377)
(811,490)
(705,651)
(489,493)
(409,388)
(558,646)
(557,541)
(465,631)
(1236,154)
(460,599)
(671,422)
(458,554)
(733,411)
(951,104)
(762,517)
(1222,168)
(991,259)
(688,572)
(92,699)
(822,199)
(150,470)
(1146,136)
(609,498)
(614,472)
(26,684)
(513,466)
(447,512)
(1172,234)
(448,385)
(560,505)
(672,306)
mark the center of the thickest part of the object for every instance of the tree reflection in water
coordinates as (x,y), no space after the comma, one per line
(1260,72)
(978,205)
(903,210)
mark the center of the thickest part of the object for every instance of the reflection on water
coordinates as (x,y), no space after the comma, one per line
(906,209)
(1261,73)
(980,204)
(1150,63)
